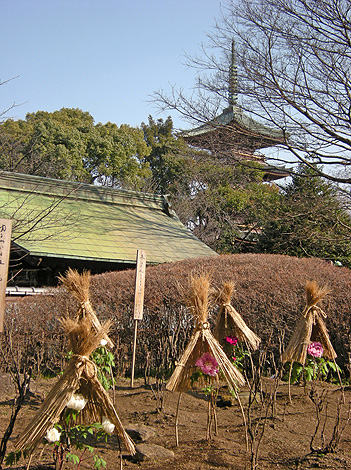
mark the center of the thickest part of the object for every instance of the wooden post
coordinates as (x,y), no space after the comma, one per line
(5,242)
(138,301)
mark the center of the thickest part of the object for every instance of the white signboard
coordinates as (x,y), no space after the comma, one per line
(139,285)
(5,242)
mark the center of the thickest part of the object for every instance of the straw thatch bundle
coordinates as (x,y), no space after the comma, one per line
(230,322)
(311,327)
(80,376)
(78,285)
(202,341)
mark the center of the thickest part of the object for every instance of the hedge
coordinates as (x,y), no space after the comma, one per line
(269,294)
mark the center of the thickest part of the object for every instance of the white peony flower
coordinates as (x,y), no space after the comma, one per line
(52,435)
(77,402)
(107,425)
(103,342)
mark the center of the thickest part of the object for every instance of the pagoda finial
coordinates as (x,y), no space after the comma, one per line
(233,78)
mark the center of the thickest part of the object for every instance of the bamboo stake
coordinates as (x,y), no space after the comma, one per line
(29,461)
(289,383)
(341,385)
(209,420)
(244,420)
(113,385)
(134,351)
(215,413)
(176,420)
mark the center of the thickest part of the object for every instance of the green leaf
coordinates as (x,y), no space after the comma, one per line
(296,372)
(195,377)
(99,462)
(309,373)
(13,457)
(72,458)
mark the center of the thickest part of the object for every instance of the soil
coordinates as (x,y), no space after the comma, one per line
(285,443)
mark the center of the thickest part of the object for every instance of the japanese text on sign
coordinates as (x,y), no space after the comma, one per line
(139,285)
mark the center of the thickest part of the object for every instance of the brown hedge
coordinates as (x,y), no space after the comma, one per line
(270,295)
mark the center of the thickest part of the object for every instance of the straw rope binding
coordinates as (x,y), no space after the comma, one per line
(202,341)
(311,327)
(230,322)
(78,285)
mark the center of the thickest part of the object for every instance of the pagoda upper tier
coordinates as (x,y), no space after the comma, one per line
(233,135)
(234,131)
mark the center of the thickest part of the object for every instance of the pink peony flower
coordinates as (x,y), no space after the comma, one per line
(231,340)
(315,349)
(207,364)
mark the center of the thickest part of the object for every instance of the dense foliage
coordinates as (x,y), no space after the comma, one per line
(66,144)
(309,220)
(170,159)
(269,294)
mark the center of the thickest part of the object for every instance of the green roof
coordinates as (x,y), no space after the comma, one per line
(87,222)
(234,116)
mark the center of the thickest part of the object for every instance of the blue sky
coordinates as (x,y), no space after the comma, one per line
(103,56)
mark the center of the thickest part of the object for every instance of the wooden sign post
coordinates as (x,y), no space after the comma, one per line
(138,301)
(5,242)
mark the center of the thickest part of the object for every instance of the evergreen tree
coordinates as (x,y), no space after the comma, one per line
(66,144)
(170,159)
(310,220)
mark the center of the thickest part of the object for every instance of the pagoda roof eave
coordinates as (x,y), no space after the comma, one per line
(272,173)
(233,115)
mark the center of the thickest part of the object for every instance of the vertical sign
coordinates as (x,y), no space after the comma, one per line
(139,285)
(138,301)
(5,242)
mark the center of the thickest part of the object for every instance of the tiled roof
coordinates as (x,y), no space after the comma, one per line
(234,115)
(87,222)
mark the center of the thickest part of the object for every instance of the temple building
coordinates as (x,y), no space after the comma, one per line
(235,136)
(60,224)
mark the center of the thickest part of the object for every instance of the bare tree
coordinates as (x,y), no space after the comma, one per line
(294,64)
(4,112)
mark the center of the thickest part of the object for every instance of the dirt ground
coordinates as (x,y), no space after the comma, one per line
(285,443)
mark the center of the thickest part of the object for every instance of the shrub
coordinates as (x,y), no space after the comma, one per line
(270,295)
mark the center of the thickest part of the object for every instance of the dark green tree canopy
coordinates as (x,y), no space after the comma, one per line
(66,144)
(170,159)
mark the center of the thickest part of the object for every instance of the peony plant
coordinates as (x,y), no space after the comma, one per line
(208,366)
(316,367)
(69,440)
(235,351)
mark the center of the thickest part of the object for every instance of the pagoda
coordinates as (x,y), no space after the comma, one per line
(236,136)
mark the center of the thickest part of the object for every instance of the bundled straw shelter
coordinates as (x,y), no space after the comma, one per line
(78,285)
(311,327)
(85,334)
(230,322)
(80,376)
(202,341)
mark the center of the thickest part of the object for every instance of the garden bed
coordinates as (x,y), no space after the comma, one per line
(285,443)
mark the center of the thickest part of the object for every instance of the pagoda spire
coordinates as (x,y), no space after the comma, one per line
(233,78)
